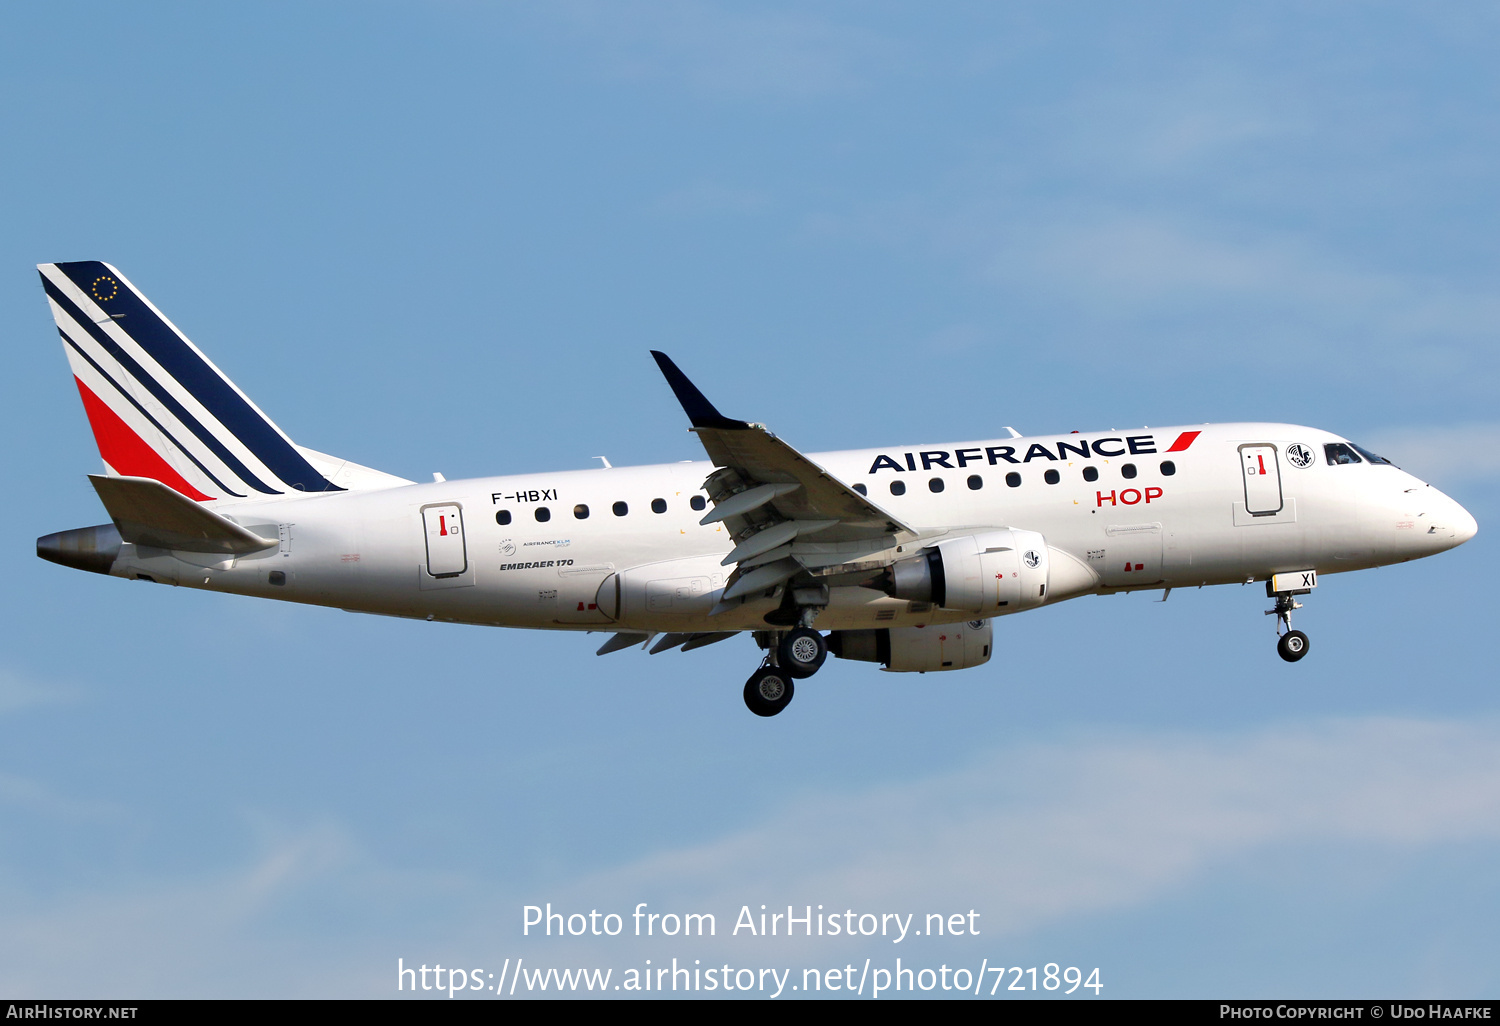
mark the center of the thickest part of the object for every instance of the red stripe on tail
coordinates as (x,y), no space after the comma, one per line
(1184,440)
(126,451)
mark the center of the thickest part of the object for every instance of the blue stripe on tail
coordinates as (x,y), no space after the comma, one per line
(191,371)
(223,488)
(156,388)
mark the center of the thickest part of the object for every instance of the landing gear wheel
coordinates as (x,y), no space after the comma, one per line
(768,691)
(1292,646)
(801,652)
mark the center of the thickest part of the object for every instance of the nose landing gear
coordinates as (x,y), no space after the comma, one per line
(1290,645)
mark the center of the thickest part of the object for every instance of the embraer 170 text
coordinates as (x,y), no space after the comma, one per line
(903,555)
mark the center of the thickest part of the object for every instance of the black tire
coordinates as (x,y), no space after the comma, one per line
(1292,646)
(801,652)
(768,691)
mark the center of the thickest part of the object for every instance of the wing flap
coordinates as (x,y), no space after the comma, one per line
(762,458)
(769,497)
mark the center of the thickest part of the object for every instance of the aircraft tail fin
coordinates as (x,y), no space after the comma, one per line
(160,409)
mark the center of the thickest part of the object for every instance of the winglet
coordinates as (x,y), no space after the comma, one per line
(700,411)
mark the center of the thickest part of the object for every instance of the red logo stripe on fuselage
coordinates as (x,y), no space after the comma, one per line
(1184,440)
(126,451)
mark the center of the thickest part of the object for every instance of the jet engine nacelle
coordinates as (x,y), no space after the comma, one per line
(948,646)
(988,573)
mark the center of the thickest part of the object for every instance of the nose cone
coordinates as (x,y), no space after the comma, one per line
(1448,523)
(1464,525)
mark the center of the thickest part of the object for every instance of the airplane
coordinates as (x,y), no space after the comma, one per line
(901,556)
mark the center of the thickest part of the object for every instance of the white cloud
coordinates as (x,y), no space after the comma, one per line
(1130,262)
(18,692)
(1033,838)
(955,338)
(1211,279)
(200,936)
(707,198)
(732,50)
(32,795)
(1096,824)
(1197,117)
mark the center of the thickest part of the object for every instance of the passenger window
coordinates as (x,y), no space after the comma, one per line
(1127,471)
(543,514)
(935,485)
(1052,477)
(898,487)
(861,489)
(697,502)
(658,505)
(975,482)
(621,509)
(1339,454)
(1013,479)
(503,517)
(581,511)
(1091,473)
(1168,468)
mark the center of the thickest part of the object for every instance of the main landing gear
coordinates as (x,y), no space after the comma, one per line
(801,652)
(769,690)
(1290,645)
(790,655)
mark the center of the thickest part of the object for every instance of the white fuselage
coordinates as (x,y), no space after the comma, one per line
(563,559)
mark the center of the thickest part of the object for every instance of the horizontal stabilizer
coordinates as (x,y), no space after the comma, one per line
(147,512)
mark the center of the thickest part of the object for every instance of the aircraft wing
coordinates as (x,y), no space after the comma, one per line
(785,513)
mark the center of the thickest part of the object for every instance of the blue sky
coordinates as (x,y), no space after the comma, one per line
(442,237)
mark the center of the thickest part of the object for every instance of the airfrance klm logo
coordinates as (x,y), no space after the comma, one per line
(1083,448)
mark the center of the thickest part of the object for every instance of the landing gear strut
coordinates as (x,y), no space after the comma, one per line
(794,654)
(1290,645)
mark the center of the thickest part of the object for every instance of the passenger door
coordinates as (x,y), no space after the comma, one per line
(447,554)
(1262,479)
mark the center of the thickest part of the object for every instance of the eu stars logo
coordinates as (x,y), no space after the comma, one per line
(105,288)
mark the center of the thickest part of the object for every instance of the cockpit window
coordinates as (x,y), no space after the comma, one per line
(1371,457)
(1340,453)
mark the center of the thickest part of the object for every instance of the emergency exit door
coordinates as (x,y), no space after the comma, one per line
(1262,479)
(447,556)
